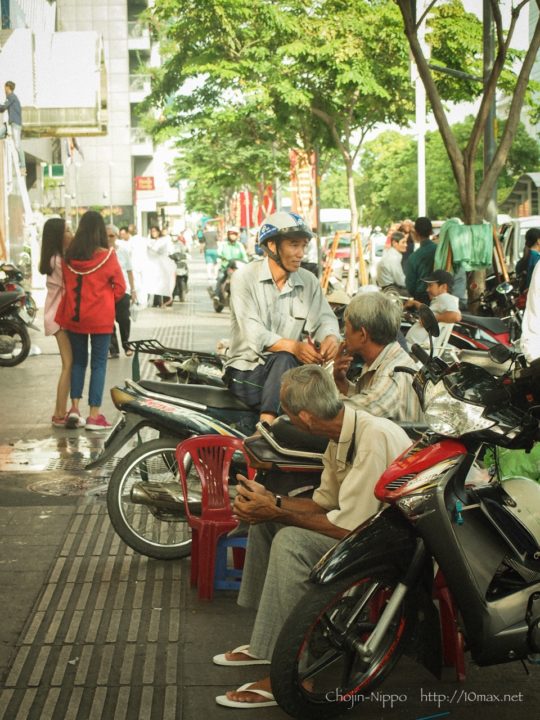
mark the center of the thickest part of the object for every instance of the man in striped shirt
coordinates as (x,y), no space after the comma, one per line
(372,322)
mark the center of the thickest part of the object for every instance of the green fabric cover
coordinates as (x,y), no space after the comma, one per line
(515,463)
(472,245)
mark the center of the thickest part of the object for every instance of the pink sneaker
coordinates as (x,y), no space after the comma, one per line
(59,421)
(97,423)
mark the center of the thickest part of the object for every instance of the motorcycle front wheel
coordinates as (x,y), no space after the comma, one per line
(182,288)
(157,530)
(16,330)
(316,670)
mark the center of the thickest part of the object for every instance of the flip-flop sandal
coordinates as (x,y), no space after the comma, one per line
(269,702)
(222,660)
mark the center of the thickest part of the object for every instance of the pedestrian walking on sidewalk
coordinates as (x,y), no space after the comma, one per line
(55,240)
(93,282)
(119,240)
(13,107)
(161,270)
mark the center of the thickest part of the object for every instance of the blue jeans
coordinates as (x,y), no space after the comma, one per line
(98,365)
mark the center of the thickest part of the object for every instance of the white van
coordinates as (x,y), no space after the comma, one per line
(512,235)
(334,219)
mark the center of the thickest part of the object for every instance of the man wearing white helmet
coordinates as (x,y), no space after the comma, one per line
(274,304)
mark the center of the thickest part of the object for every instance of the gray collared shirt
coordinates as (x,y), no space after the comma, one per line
(383,392)
(261,314)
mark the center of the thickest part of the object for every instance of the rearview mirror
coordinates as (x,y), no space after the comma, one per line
(429,321)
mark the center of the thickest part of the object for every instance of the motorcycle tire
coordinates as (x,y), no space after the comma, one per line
(218,307)
(182,289)
(316,673)
(158,533)
(15,329)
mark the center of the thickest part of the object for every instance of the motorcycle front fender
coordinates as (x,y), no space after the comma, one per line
(128,426)
(384,537)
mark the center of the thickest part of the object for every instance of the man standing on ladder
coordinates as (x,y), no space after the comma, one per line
(13,107)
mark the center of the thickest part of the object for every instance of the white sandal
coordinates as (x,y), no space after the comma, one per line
(269,702)
(222,660)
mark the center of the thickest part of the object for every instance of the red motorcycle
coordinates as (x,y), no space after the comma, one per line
(371,600)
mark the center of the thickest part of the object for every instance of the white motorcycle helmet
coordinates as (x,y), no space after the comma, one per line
(280,225)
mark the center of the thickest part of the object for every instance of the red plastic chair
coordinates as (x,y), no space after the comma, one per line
(211,456)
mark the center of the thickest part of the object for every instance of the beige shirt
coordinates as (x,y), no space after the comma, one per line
(350,474)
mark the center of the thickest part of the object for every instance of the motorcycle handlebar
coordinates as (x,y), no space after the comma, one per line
(402,368)
(420,354)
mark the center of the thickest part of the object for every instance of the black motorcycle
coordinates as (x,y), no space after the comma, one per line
(371,601)
(180,259)
(15,341)
(144,498)
(222,298)
(11,280)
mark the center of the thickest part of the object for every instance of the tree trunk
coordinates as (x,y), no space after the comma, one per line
(352,194)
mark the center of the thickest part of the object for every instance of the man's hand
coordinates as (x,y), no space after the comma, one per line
(410,304)
(329,348)
(250,485)
(254,506)
(307,353)
(342,363)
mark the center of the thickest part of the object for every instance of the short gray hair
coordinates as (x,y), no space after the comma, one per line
(311,388)
(114,229)
(377,314)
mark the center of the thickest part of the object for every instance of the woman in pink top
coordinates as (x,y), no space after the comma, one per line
(57,236)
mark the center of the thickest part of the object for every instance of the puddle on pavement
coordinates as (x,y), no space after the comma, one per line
(64,458)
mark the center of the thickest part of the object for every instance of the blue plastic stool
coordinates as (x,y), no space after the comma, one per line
(227,578)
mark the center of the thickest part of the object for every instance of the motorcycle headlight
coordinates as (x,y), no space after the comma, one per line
(450,416)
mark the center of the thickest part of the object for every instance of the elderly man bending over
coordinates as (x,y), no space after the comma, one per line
(288,535)
(372,322)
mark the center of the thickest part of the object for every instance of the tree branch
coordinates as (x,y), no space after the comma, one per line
(512,122)
(454,153)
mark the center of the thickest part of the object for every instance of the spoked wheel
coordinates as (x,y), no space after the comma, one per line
(16,342)
(145,501)
(317,671)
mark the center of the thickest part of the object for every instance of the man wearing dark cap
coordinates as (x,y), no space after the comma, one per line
(420,263)
(443,304)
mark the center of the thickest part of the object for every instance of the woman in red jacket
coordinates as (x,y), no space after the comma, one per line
(93,283)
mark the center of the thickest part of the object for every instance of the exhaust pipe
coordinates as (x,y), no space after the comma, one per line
(161,496)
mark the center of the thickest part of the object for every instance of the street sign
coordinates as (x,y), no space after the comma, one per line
(143,182)
(54,172)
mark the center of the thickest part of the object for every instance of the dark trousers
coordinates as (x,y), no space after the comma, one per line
(123,319)
(259,388)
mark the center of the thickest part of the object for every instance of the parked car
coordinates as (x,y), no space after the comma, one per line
(512,235)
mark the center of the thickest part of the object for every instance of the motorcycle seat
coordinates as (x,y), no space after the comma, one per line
(215,397)
(287,435)
(482,359)
(492,324)
(8,298)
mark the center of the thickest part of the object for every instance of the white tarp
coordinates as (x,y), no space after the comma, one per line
(53,70)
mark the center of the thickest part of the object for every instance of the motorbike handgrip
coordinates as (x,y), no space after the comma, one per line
(420,354)
(403,368)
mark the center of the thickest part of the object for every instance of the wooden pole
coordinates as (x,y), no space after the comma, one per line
(499,255)
(362,270)
(328,262)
